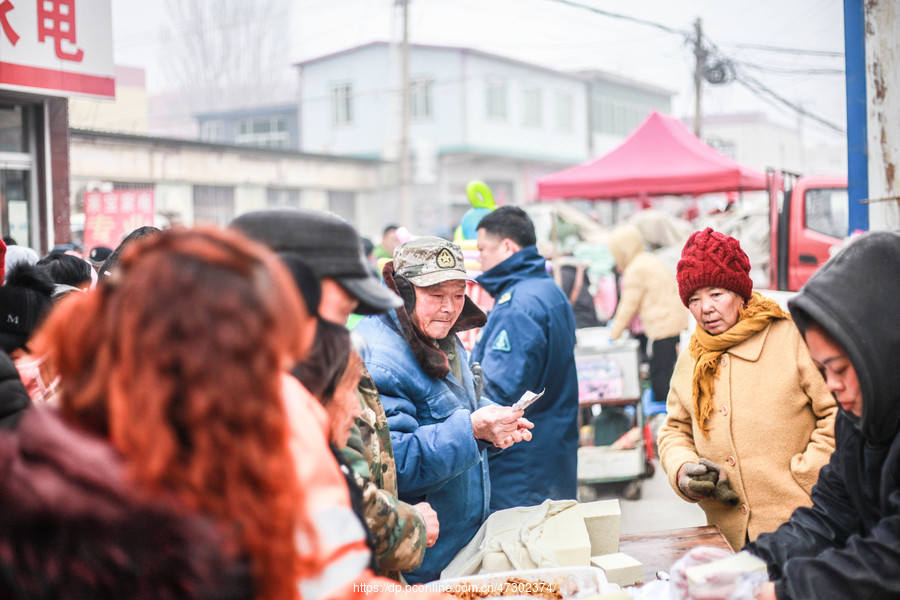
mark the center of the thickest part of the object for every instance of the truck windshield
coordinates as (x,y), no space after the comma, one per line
(826,211)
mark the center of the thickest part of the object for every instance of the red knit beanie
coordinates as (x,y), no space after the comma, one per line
(710,258)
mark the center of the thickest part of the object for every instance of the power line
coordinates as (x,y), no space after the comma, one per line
(789,71)
(725,66)
(637,20)
(758,88)
(791,50)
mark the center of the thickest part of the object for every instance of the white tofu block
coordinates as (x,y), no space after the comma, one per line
(567,536)
(620,568)
(742,562)
(603,520)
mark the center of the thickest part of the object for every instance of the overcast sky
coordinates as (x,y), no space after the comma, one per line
(556,34)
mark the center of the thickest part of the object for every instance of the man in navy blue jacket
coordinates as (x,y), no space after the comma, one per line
(528,344)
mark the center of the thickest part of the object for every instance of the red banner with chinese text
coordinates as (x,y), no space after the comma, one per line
(110,216)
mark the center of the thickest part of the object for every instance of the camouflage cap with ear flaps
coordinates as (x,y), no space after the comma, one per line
(430,260)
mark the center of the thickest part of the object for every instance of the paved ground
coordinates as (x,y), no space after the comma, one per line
(659,508)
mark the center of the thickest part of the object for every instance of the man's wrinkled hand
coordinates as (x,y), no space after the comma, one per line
(432,525)
(501,426)
(495,423)
(522,434)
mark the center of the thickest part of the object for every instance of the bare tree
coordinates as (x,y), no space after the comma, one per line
(229,53)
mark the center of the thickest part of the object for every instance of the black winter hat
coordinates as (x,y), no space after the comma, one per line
(98,255)
(24,300)
(328,244)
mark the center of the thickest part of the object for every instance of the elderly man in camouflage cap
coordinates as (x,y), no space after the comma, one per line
(441,429)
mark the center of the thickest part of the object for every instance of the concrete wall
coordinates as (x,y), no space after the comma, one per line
(174,167)
(127,112)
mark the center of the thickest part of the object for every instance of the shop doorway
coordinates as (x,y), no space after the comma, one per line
(15,203)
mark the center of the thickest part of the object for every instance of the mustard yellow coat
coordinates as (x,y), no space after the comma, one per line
(771,431)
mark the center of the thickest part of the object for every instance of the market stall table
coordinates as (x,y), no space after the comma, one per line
(657,550)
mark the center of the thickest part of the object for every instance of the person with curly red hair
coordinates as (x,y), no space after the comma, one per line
(178,360)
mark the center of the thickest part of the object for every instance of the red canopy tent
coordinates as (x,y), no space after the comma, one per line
(660,157)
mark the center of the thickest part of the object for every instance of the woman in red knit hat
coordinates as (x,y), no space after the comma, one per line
(750,421)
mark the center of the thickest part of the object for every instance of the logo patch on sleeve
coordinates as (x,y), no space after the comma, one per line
(501,342)
(505,298)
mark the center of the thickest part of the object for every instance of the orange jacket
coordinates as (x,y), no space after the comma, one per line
(341,539)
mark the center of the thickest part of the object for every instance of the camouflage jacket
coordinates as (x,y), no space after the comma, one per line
(398,530)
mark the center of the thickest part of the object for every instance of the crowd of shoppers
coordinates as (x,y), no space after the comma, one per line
(198,390)
(324,254)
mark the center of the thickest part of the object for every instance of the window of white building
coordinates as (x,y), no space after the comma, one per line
(268,132)
(565,107)
(495,97)
(212,131)
(342,104)
(420,98)
(531,107)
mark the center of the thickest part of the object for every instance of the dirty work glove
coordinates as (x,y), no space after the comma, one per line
(705,484)
(687,475)
(711,466)
(478,376)
(721,490)
(724,492)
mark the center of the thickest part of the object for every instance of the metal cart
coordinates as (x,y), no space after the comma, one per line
(608,375)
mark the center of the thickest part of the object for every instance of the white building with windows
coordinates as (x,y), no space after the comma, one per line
(472,116)
(265,127)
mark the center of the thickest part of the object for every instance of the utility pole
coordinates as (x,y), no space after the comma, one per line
(405,192)
(800,137)
(699,65)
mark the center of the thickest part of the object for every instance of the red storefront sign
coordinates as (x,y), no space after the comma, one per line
(110,216)
(48,46)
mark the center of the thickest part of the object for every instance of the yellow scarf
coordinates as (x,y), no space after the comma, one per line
(706,349)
